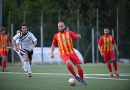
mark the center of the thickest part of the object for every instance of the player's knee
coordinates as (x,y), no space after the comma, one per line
(78,66)
(114,61)
(68,62)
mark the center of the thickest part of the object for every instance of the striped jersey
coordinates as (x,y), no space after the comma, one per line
(25,41)
(64,41)
(4,40)
(106,43)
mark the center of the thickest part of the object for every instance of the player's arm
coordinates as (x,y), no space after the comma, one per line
(99,45)
(53,46)
(115,46)
(74,35)
(34,40)
(33,46)
(52,50)
(14,42)
(100,50)
(15,45)
(9,44)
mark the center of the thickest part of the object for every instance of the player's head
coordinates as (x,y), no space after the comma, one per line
(61,26)
(18,31)
(24,29)
(106,31)
(3,30)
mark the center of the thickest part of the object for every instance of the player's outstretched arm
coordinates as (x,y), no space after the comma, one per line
(52,50)
(100,50)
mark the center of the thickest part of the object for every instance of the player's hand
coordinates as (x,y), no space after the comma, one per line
(52,56)
(79,36)
(101,53)
(31,49)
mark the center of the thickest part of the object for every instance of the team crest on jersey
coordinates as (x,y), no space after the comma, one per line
(64,40)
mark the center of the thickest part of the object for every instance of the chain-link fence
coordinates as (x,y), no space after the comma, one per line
(75,22)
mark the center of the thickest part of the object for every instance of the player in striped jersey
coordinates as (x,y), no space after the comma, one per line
(4,43)
(107,47)
(64,40)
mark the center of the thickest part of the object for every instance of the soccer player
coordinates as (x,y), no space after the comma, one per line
(17,41)
(107,47)
(28,41)
(64,40)
(4,43)
(19,45)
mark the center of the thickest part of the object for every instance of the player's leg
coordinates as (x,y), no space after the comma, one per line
(76,62)
(106,57)
(114,61)
(4,55)
(27,64)
(30,57)
(67,61)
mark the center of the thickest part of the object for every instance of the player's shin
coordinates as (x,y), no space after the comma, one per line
(28,67)
(80,73)
(71,69)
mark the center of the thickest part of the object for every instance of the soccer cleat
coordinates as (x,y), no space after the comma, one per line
(29,74)
(77,78)
(117,73)
(111,74)
(82,82)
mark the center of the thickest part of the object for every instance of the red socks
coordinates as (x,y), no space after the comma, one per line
(115,66)
(109,67)
(71,69)
(80,72)
(3,65)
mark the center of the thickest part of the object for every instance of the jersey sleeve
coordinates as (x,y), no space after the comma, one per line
(100,41)
(73,35)
(33,38)
(16,36)
(54,42)
(113,40)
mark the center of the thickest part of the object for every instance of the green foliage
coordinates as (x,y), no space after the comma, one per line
(66,10)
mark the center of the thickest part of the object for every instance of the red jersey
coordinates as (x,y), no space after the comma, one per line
(4,40)
(106,43)
(64,41)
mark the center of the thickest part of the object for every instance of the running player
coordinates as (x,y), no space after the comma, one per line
(64,40)
(27,42)
(107,47)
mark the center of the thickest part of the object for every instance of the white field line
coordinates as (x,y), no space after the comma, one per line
(107,78)
(63,74)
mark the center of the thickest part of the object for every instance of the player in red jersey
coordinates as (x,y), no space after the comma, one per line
(107,47)
(64,40)
(4,42)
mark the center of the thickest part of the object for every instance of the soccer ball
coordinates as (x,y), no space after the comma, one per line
(72,82)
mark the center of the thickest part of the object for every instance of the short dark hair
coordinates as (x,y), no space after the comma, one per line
(23,25)
(2,29)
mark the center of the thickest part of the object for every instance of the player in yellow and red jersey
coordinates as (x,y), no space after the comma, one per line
(107,47)
(4,42)
(64,40)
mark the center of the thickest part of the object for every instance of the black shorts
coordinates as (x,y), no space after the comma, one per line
(24,51)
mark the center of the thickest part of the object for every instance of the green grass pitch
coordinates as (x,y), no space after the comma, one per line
(55,77)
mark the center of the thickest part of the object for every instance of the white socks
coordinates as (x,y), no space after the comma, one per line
(27,66)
